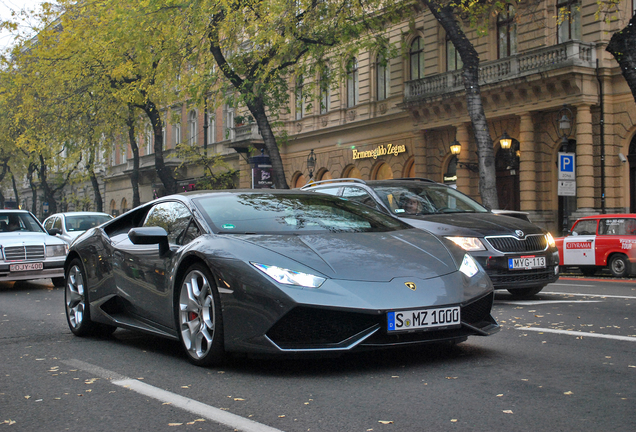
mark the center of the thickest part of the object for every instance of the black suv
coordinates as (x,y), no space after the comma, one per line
(517,255)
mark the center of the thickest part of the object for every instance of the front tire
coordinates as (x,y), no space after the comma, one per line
(199,320)
(522,293)
(76,301)
(619,265)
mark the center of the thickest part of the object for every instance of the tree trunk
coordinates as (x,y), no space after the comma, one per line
(34,187)
(15,191)
(256,106)
(163,172)
(49,196)
(134,176)
(621,46)
(470,58)
(99,204)
(5,169)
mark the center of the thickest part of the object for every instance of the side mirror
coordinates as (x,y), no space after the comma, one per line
(150,235)
(54,231)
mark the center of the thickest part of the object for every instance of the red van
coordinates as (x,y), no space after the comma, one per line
(607,240)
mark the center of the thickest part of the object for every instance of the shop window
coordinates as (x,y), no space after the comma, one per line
(325,175)
(384,172)
(113,208)
(353,172)
(453,60)
(417,58)
(409,168)
(300,181)
(506,33)
(568,20)
(383,78)
(353,83)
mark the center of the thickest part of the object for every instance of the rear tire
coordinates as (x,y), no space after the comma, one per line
(619,265)
(525,292)
(198,315)
(76,302)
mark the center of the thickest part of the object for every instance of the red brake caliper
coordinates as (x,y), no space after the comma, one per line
(192,316)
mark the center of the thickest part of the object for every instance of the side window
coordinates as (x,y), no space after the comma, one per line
(172,216)
(359,195)
(329,191)
(612,227)
(585,227)
(48,224)
(190,233)
(58,223)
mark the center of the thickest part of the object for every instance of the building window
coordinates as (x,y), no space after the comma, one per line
(300,98)
(192,128)
(124,205)
(417,58)
(353,83)
(325,96)
(177,134)
(383,77)
(229,123)
(568,20)
(211,129)
(124,151)
(149,140)
(383,172)
(453,60)
(506,33)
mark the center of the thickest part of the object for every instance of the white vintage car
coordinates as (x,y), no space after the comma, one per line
(27,251)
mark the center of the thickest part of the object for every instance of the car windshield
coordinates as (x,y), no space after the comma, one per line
(84,222)
(292,214)
(424,199)
(15,222)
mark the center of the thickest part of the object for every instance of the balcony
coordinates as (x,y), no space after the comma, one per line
(568,54)
(246,132)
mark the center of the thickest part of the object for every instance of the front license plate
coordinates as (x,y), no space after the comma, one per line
(526,263)
(26,267)
(423,318)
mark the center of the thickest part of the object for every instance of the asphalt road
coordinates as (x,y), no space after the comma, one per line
(564,361)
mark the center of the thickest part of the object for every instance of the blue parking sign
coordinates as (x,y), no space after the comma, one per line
(567,166)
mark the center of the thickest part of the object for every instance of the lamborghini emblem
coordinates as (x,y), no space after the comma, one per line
(410,285)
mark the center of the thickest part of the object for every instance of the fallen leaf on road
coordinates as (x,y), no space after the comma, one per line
(281,416)
(500,395)
(453,420)
(175,424)
(567,393)
(507,411)
(27,397)
(239,399)
(385,421)
(9,422)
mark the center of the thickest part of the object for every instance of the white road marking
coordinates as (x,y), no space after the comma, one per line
(571,285)
(579,333)
(588,295)
(211,413)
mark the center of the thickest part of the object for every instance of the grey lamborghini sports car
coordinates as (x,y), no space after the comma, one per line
(273,272)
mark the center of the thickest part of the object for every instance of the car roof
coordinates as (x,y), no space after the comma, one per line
(609,216)
(387,182)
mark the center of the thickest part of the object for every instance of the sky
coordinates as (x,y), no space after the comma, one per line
(6,6)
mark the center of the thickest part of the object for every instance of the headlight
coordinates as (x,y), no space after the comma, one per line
(56,250)
(550,240)
(290,277)
(469,266)
(468,243)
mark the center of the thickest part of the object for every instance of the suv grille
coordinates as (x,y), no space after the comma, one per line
(20,253)
(532,243)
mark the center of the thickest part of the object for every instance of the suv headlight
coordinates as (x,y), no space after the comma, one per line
(550,240)
(56,250)
(470,244)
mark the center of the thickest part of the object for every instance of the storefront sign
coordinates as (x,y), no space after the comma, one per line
(380,150)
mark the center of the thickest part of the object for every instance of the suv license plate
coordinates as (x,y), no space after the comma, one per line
(526,263)
(423,319)
(26,267)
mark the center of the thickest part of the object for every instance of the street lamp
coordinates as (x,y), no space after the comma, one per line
(311,163)
(505,142)
(456,149)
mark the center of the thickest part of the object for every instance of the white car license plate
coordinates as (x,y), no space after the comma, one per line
(423,318)
(26,267)
(526,263)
